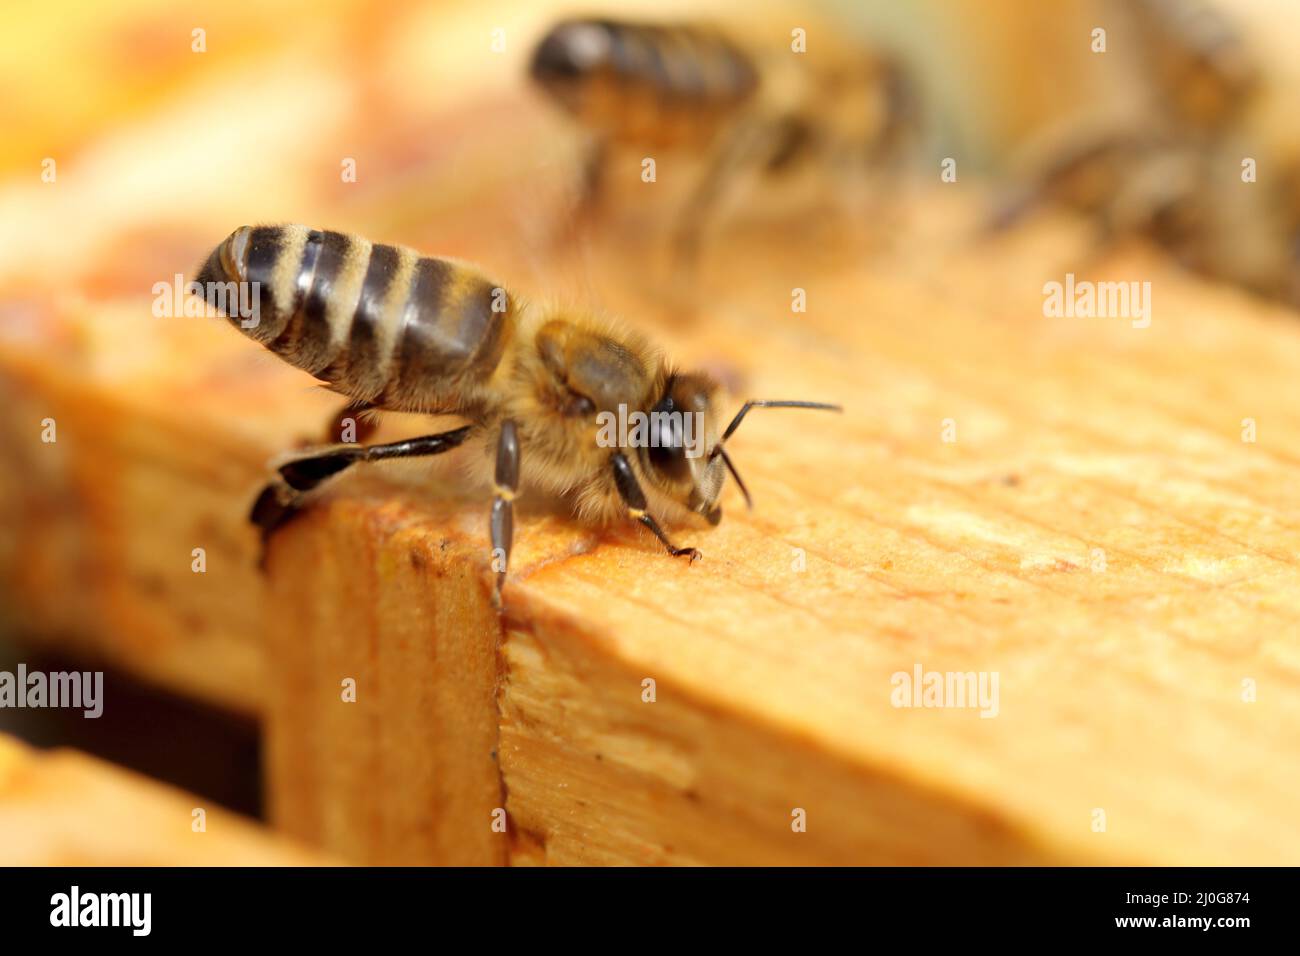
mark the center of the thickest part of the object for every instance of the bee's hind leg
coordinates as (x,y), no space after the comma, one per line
(630,491)
(281,499)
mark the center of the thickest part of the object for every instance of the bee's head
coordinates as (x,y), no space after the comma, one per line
(679,457)
(686,458)
(572,51)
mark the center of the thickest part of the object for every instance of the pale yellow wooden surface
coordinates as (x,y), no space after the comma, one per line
(63,808)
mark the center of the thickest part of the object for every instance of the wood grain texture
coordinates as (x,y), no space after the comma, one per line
(382,727)
(63,808)
(103,521)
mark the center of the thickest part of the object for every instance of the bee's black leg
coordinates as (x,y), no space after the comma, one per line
(274,507)
(584,211)
(751,146)
(506,485)
(279,500)
(593,179)
(630,491)
(305,473)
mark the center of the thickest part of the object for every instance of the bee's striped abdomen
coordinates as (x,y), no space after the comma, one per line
(379,323)
(456,325)
(634,81)
(684,63)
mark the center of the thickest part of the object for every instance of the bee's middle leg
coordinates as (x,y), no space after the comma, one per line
(748,149)
(592,187)
(506,484)
(584,212)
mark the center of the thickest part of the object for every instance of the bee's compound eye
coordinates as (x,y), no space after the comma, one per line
(667,451)
(670,462)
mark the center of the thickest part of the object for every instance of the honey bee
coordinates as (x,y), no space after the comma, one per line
(1128,181)
(393,330)
(1202,71)
(747,112)
(1158,176)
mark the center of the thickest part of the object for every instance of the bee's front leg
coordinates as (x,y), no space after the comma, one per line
(629,489)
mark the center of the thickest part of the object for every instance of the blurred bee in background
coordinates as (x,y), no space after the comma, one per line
(747,112)
(393,330)
(1128,180)
(1202,71)
(1286,204)
(1171,176)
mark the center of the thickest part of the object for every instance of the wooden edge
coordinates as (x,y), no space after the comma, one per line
(65,808)
(475,739)
(382,728)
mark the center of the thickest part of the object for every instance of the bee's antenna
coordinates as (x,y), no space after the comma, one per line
(735,423)
(765,403)
(726,460)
